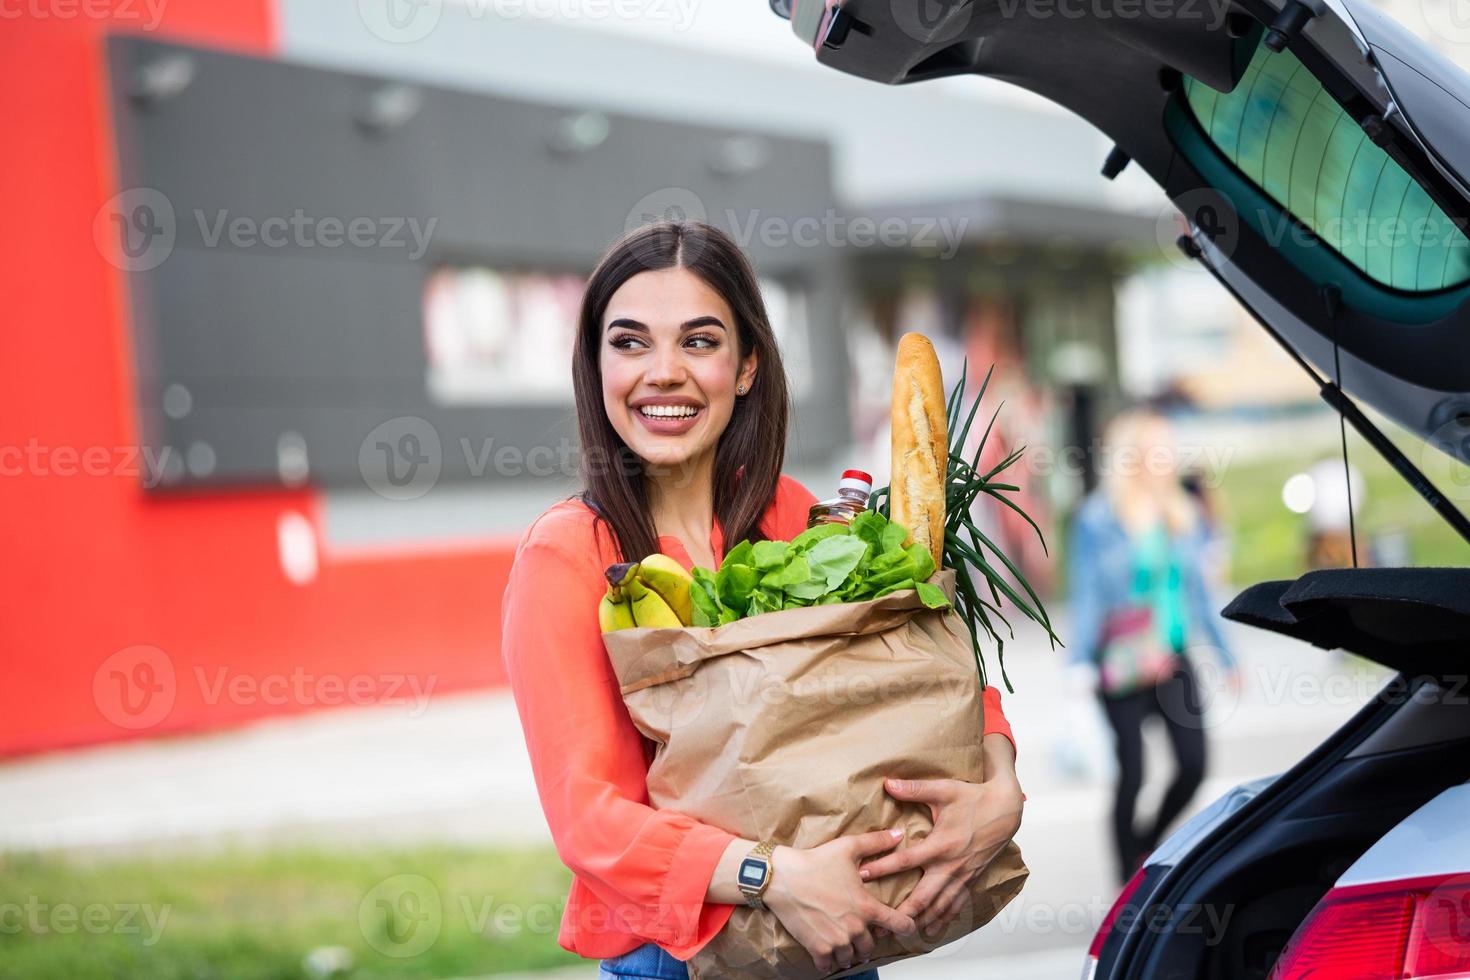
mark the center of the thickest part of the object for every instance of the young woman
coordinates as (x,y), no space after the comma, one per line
(682,409)
(1140,591)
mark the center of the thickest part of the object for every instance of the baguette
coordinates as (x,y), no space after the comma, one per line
(920,444)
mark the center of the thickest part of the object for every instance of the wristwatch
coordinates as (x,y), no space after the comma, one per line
(755,873)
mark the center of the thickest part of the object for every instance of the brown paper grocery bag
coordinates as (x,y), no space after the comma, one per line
(784,726)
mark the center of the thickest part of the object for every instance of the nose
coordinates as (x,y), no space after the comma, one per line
(667,367)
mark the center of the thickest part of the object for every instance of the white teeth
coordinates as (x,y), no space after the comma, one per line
(668,411)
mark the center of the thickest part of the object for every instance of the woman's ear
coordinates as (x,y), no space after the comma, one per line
(745,380)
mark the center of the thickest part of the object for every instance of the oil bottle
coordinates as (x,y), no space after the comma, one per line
(851,500)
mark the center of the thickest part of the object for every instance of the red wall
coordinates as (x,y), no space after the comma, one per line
(106,591)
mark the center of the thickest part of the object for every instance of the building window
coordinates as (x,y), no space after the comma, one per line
(502,337)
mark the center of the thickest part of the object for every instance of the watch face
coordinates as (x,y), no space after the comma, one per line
(752,872)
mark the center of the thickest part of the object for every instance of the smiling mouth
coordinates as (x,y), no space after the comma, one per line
(673,412)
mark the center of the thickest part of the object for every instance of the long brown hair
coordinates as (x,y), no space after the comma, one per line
(751,450)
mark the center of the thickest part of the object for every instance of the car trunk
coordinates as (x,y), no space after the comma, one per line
(1268,867)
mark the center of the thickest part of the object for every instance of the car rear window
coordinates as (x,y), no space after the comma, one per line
(1288,136)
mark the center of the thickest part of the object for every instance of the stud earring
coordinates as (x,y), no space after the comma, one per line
(740,389)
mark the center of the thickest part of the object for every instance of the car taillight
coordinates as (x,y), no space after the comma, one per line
(1414,927)
(1109,921)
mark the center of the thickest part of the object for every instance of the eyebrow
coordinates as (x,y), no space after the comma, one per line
(628,323)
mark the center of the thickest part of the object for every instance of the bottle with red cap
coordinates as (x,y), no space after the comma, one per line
(851,500)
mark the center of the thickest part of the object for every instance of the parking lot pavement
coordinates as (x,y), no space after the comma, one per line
(458,770)
(1060,964)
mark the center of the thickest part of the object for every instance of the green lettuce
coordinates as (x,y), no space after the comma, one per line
(823,565)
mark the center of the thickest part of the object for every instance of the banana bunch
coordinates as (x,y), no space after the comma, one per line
(653,592)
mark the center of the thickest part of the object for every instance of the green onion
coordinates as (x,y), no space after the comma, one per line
(966,546)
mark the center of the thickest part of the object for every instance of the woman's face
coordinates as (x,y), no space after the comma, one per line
(1153,459)
(670,363)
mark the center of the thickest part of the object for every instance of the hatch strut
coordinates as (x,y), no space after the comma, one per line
(1332,297)
(1338,399)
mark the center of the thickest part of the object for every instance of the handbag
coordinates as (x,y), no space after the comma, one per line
(1133,655)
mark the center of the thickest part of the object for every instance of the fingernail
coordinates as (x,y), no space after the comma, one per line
(896,834)
(864,874)
(932,930)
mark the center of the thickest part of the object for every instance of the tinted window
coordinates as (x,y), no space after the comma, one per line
(1282,130)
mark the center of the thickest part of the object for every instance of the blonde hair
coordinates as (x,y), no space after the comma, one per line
(1133,439)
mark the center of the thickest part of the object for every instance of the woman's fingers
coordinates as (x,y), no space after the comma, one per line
(944,907)
(893,920)
(862,946)
(921,790)
(910,857)
(842,956)
(926,892)
(873,842)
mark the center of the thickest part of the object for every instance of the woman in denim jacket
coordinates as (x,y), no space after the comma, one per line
(1141,542)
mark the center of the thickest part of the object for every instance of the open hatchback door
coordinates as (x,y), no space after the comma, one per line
(1319,152)
(1320,156)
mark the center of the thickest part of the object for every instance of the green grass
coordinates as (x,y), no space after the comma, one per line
(435,911)
(1269,541)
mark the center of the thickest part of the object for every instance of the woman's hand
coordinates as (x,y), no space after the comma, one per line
(819,898)
(972,822)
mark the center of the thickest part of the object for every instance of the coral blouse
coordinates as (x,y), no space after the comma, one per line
(640,874)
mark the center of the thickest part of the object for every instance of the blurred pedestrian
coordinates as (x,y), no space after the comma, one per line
(1139,594)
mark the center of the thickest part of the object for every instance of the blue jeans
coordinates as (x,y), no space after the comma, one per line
(651,962)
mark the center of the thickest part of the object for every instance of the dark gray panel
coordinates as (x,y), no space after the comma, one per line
(290,342)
